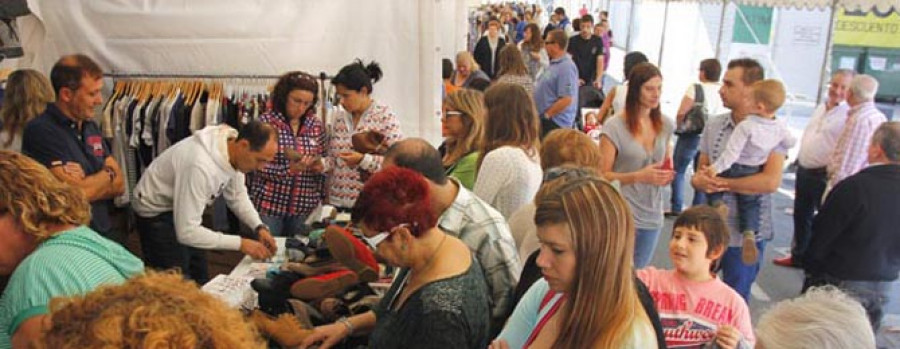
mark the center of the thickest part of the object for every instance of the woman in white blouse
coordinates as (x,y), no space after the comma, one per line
(509,171)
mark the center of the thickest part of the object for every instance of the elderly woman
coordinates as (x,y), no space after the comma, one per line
(27,94)
(467,71)
(588,296)
(439,299)
(461,125)
(823,317)
(635,151)
(47,248)
(284,197)
(362,113)
(154,310)
(509,152)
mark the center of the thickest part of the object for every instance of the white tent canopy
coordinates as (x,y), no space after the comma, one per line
(228,37)
(880,5)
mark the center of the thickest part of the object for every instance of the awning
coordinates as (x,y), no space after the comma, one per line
(881,6)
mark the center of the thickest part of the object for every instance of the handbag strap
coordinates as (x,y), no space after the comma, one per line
(698,94)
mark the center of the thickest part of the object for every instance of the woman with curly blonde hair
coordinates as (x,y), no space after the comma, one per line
(461,125)
(154,310)
(27,94)
(46,247)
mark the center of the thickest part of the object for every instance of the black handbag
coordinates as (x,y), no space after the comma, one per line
(695,118)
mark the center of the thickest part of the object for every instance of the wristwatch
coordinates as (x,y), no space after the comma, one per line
(261,226)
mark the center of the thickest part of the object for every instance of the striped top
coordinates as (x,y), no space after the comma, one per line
(72,263)
(851,152)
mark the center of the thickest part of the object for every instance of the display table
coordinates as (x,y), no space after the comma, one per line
(234,288)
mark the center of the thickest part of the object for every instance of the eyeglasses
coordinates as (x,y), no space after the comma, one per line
(548,42)
(450,113)
(374,241)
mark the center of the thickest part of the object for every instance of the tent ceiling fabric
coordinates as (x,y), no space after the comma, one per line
(882,6)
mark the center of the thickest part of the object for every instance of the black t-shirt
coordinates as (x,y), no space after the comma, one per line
(53,139)
(585,53)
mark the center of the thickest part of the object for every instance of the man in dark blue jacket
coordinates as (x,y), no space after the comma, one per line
(856,234)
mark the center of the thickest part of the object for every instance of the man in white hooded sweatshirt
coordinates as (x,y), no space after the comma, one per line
(170,197)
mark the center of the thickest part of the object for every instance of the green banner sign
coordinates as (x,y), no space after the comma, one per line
(752,25)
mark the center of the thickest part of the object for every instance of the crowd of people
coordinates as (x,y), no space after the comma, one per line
(519,230)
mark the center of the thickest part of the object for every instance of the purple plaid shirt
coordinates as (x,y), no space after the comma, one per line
(851,152)
(274,190)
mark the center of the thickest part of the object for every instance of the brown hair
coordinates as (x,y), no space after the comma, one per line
(640,75)
(568,146)
(711,68)
(603,305)
(708,221)
(511,120)
(560,37)
(471,104)
(770,93)
(751,70)
(70,70)
(153,310)
(537,42)
(289,82)
(36,198)
(510,61)
(27,94)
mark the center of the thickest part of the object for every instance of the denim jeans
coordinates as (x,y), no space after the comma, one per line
(873,295)
(739,275)
(748,205)
(284,226)
(810,187)
(644,245)
(686,151)
(162,250)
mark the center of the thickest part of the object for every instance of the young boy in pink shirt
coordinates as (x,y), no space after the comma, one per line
(697,309)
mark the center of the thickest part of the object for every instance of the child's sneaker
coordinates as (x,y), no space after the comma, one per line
(749,252)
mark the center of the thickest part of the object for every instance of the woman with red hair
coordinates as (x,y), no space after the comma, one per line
(438,299)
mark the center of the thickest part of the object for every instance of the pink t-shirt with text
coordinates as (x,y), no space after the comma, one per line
(690,311)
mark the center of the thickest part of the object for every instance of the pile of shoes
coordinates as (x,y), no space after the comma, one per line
(324,279)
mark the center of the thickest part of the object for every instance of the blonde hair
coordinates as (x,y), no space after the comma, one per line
(27,94)
(466,58)
(510,61)
(770,93)
(153,310)
(568,146)
(471,104)
(36,198)
(511,120)
(603,305)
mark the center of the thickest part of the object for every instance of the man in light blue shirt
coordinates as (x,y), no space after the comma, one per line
(556,91)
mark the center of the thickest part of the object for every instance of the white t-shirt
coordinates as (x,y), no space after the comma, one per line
(711,98)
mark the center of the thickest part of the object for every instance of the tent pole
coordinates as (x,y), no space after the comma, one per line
(828,43)
(630,27)
(662,39)
(721,28)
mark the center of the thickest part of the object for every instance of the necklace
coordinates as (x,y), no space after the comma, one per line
(407,279)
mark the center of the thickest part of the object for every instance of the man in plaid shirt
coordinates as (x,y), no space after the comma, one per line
(849,155)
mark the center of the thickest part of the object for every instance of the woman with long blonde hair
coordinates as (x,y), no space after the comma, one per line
(27,94)
(588,297)
(509,152)
(461,125)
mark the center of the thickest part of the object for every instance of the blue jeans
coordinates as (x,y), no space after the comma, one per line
(748,205)
(644,244)
(686,151)
(738,275)
(872,295)
(810,187)
(284,226)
